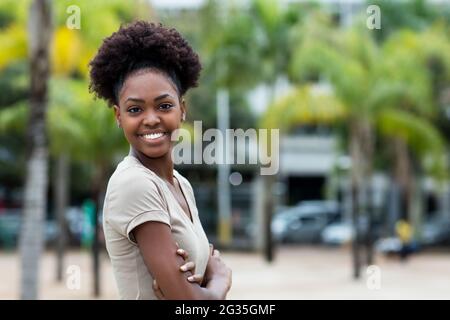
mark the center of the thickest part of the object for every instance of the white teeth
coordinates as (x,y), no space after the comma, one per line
(153,136)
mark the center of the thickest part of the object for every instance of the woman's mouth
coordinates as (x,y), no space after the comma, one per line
(152,137)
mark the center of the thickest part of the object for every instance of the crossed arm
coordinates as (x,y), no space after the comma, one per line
(165,268)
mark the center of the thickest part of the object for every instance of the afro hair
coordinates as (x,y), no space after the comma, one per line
(142,45)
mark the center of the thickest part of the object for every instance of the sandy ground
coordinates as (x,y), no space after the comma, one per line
(296,273)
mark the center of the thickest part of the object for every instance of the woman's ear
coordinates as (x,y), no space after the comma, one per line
(117,115)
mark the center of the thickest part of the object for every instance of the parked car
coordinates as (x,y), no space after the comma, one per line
(389,246)
(10,225)
(9,229)
(341,233)
(436,231)
(337,233)
(304,222)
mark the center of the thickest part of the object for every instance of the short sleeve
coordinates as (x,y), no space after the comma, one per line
(133,198)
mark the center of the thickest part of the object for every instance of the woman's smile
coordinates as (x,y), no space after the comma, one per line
(153,137)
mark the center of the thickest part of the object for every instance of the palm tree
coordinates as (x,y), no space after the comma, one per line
(31,238)
(71,52)
(272,25)
(370,83)
(303,106)
(227,48)
(415,134)
(84,128)
(253,48)
(76,126)
(66,52)
(346,61)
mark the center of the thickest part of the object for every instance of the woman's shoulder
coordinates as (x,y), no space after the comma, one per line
(132,183)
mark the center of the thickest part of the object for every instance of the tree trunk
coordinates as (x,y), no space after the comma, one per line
(367,145)
(361,149)
(356,156)
(268,207)
(355,241)
(98,192)
(35,201)
(393,208)
(268,212)
(402,176)
(225,228)
(411,189)
(61,200)
(369,236)
(416,207)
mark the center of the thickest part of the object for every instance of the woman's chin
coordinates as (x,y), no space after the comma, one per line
(155,154)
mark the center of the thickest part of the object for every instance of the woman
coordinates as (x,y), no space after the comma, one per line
(143,70)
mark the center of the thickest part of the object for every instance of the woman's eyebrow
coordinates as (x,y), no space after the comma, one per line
(165,95)
(135,100)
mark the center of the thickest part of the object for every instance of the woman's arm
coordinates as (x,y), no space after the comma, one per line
(159,251)
(217,274)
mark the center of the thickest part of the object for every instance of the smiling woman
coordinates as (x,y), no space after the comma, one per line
(142,71)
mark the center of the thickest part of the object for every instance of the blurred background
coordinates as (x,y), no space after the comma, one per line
(360,91)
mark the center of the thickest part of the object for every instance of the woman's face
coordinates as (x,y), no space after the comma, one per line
(149,111)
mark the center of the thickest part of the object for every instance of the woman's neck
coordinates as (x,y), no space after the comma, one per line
(162,166)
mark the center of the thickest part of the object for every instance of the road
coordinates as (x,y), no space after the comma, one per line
(296,273)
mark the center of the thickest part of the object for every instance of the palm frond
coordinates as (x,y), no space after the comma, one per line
(14,45)
(303,105)
(420,135)
(14,118)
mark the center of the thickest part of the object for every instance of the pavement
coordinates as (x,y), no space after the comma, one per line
(298,272)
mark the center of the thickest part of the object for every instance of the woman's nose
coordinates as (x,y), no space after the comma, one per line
(151,119)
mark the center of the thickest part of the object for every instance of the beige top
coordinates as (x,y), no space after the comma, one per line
(135,195)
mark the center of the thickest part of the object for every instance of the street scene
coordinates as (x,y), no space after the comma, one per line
(313,145)
(297,273)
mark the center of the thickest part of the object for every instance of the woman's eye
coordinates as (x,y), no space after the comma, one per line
(165,106)
(134,109)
